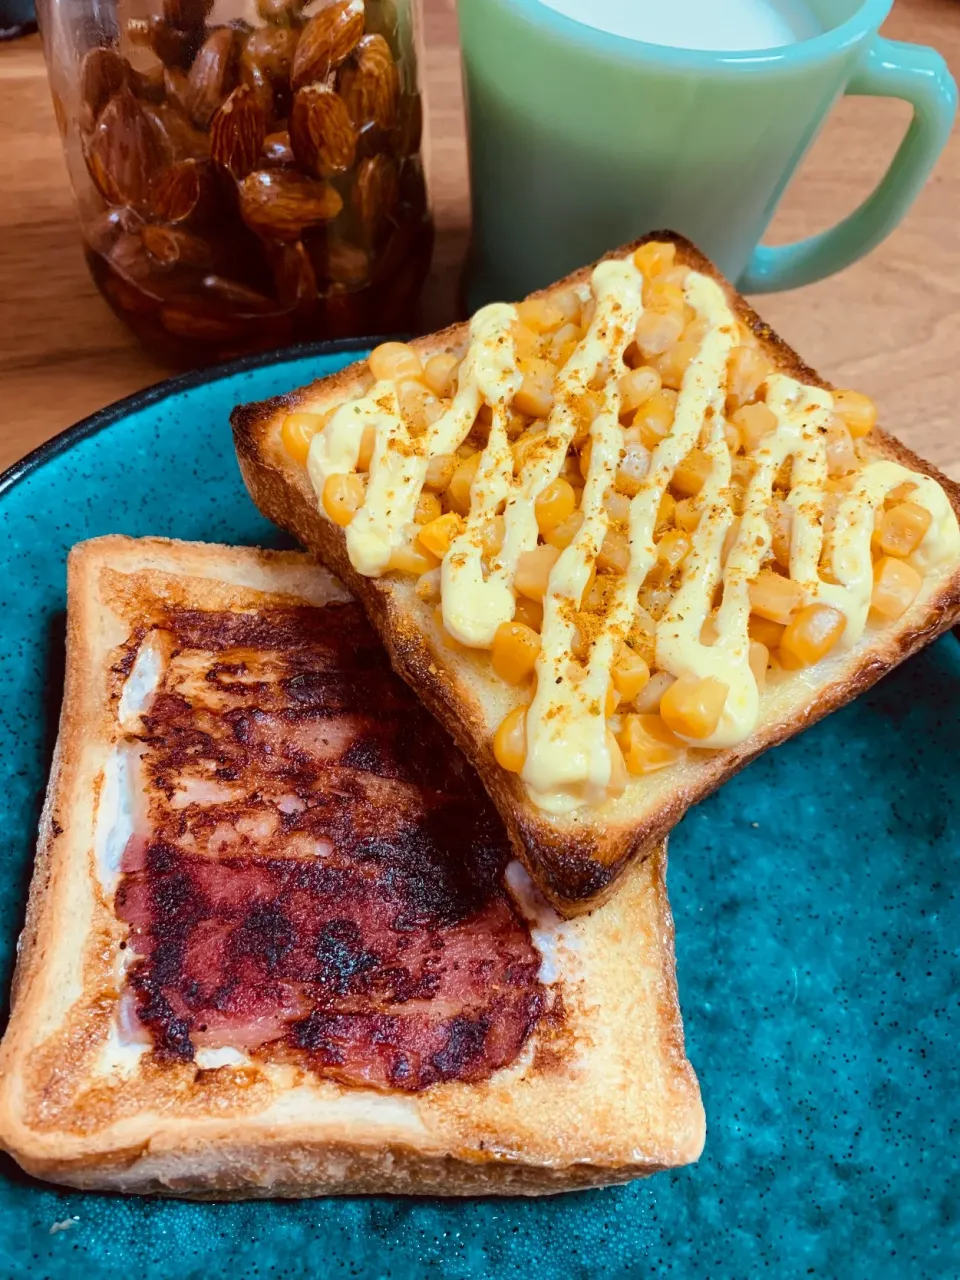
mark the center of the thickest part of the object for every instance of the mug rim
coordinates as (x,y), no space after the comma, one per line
(865,20)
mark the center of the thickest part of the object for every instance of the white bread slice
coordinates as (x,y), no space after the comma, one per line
(575,859)
(601,1095)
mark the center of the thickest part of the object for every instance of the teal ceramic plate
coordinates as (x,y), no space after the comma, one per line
(817,902)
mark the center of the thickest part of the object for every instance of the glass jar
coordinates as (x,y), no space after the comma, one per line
(247,174)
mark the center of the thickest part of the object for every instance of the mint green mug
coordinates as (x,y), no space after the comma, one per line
(581,140)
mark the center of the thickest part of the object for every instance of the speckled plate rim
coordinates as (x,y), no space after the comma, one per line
(173,386)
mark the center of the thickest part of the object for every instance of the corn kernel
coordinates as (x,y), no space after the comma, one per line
(394,361)
(731,436)
(841,455)
(668,505)
(491,534)
(654,257)
(611,702)
(584,409)
(648,699)
(418,405)
(614,555)
(773,597)
(810,636)
(747,371)
(896,585)
(298,430)
(440,471)
(439,533)
(535,396)
(903,528)
(691,474)
(617,505)
(857,410)
(428,586)
(633,468)
(741,471)
(440,374)
(754,422)
(526,447)
(618,768)
(677,274)
(658,331)
(428,508)
(526,343)
(530,613)
(655,418)
(630,674)
(665,297)
(564,533)
(510,740)
(692,706)
(636,388)
(647,744)
(555,503)
(514,652)
(567,302)
(901,493)
(540,314)
(563,344)
(413,558)
(672,550)
(686,515)
(696,331)
(674,362)
(533,571)
(342,498)
(759,660)
(765,632)
(458,490)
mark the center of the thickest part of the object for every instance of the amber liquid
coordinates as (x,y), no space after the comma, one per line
(189,315)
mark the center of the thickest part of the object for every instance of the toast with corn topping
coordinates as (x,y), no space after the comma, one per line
(619,538)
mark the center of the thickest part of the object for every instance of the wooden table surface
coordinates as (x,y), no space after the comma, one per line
(890,325)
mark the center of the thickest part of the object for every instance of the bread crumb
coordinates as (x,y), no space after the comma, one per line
(64,1225)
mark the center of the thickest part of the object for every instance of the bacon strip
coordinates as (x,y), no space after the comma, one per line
(322,878)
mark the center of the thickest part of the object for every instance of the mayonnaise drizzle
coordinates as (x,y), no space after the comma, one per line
(568,760)
(488,375)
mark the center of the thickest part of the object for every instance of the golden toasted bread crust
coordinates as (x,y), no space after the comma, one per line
(602,1095)
(576,861)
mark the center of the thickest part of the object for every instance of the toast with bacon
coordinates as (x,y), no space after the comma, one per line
(693,384)
(276,944)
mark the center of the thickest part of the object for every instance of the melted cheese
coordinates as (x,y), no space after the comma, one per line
(568,761)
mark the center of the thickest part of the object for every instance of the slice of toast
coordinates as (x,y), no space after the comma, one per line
(577,857)
(274,942)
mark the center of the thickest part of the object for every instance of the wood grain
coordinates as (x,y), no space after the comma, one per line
(890,325)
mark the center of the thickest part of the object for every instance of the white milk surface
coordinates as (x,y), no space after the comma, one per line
(697,24)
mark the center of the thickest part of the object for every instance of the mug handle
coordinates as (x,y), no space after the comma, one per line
(892,69)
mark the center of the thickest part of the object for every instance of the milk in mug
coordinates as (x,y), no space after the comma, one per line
(697,24)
